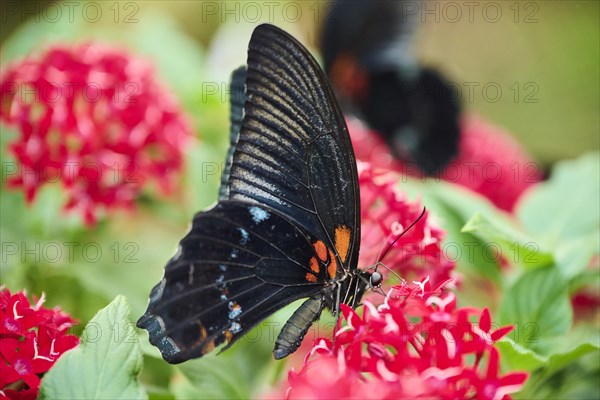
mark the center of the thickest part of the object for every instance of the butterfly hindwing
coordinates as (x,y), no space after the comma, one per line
(237,98)
(237,265)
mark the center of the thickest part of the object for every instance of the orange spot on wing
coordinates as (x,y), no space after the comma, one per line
(310,277)
(228,335)
(314,265)
(342,241)
(332,268)
(208,347)
(203,334)
(321,250)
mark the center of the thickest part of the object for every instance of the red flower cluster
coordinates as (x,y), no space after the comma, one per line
(490,162)
(416,344)
(32,338)
(95,119)
(385,214)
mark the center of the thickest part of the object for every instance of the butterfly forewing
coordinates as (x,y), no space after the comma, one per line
(294,153)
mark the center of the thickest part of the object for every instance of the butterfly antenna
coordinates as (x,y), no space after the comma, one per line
(389,247)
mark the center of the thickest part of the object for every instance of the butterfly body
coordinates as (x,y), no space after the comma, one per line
(287,222)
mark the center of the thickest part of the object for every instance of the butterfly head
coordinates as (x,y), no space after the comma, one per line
(376,279)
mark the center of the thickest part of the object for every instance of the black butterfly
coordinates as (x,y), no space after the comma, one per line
(366,52)
(287,223)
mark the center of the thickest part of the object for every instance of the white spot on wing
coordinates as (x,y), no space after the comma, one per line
(259,215)
(235,327)
(245,236)
(234,310)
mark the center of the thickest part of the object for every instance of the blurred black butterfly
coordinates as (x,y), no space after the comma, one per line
(287,223)
(366,46)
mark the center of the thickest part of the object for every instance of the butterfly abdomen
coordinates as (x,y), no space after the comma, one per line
(295,328)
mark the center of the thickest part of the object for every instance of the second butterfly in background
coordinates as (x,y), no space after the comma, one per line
(411,117)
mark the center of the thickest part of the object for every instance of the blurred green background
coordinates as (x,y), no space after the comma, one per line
(542,55)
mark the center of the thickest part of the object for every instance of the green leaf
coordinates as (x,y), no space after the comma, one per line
(567,204)
(156,377)
(234,374)
(211,377)
(106,363)
(516,357)
(554,376)
(515,246)
(560,360)
(573,256)
(538,304)
(452,207)
(565,374)
(563,213)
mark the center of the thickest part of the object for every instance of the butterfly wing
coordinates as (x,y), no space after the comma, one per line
(294,153)
(237,98)
(238,264)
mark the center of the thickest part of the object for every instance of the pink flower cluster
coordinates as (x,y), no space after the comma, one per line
(387,213)
(416,344)
(93,118)
(489,162)
(32,338)
(493,163)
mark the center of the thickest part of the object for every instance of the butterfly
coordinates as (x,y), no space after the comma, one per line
(287,222)
(366,48)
